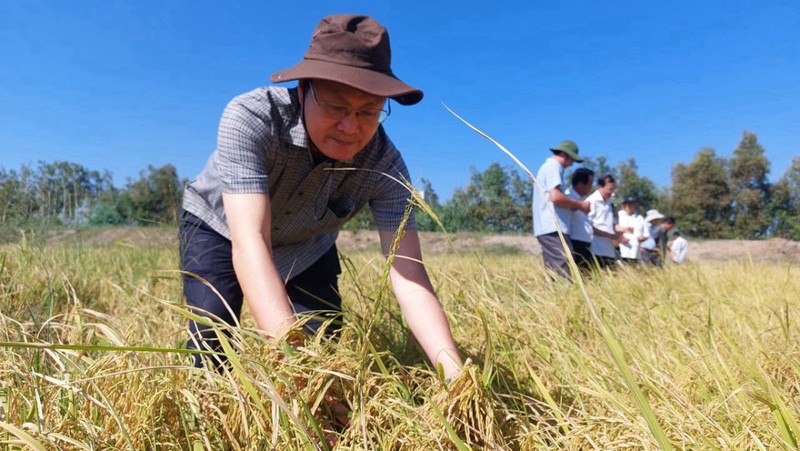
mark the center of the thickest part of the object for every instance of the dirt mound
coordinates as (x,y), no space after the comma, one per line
(774,250)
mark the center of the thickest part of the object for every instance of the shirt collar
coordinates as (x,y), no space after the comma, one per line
(294,132)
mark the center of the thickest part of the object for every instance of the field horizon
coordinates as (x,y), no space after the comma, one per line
(776,250)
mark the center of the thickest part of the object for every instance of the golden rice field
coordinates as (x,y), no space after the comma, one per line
(701,356)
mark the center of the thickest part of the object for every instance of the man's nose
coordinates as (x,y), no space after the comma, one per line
(349,123)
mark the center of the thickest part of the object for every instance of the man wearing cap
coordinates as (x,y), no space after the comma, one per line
(551,207)
(291,167)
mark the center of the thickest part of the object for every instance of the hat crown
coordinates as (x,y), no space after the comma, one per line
(351,40)
(352,50)
(567,146)
(653,214)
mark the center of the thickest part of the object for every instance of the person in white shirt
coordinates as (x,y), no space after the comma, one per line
(604,227)
(679,247)
(580,228)
(632,225)
(551,207)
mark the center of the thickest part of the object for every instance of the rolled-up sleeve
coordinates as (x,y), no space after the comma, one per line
(241,140)
(392,196)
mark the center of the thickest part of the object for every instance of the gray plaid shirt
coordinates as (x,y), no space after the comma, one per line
(262,147)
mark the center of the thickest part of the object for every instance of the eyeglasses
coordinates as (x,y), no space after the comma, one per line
(337,111)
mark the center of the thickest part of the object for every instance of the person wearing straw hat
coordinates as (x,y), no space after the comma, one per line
(648,250)
(661,237)
(292,165)
(551,208)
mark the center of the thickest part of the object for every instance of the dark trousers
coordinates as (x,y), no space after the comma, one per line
(582,253)
(648,256)
(207,256)
(606,262)
(555,259)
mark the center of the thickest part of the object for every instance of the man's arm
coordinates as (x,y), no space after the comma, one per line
(599,232)
(595,216)
(419,304)
(249,220)
(560,199)
(620,233)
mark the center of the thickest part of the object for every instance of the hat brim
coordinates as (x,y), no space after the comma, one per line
(572,155)
(369,81)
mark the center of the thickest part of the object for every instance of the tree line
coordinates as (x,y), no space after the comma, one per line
(68,194)
(710,197)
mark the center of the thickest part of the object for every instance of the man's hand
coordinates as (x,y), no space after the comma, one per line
(585,207)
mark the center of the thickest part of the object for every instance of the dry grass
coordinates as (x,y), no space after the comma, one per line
(91,338)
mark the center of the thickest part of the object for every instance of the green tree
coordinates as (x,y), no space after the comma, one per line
(425,222)
(701,197)
(630,184)
(494,201)
(65,191)
(155,198)
(750,188)
(105,213)
(784,206)
(600,167)
(363,220)
(10,196)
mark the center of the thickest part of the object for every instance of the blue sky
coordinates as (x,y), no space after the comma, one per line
(119,85)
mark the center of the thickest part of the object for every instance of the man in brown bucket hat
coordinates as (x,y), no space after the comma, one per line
(291,167)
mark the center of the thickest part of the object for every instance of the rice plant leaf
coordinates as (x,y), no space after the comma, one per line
(449,428)
(240,373)
(71,441)
(309,413)
(783,416)
(548,398)
(641,401)
(488,361)
(23,436)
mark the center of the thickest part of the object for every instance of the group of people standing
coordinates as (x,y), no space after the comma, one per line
(595,233)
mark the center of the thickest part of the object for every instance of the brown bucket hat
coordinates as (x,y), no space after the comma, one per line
(352,50)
